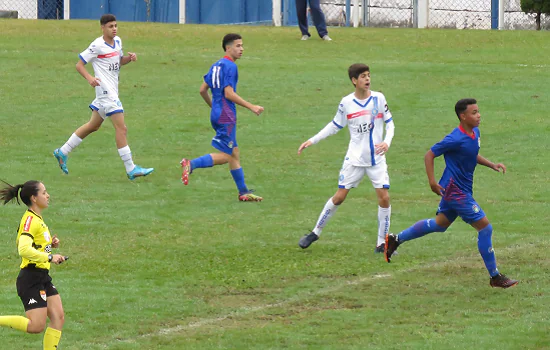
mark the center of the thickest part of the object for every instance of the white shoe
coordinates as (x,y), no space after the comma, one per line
(326,38)
(305,37)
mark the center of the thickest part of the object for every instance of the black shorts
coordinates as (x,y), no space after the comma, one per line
(34,286)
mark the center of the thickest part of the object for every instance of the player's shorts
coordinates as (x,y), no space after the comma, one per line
(226,137)
(34,286)
(466,207)
(351,176)
(106,106)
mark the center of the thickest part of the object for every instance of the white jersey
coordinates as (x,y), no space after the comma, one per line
(366,120)
(106,63)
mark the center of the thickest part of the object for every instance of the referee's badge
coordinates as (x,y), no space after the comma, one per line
(47,236)
(43,295)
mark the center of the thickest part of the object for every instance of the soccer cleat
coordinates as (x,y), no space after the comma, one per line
(307,240)
(139,171)
(391,246)
(185,170)
(380,248)
(305,37)
(501,281)
(327,38)
(61,159)
(249,197)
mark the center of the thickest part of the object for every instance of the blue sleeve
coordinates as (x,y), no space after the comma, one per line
(208,78)
(449,143)
(229,76)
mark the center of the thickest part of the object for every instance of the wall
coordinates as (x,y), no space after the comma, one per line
(229,11)
(127,10)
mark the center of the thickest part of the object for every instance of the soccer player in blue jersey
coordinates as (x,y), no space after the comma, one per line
(460,149)
(222,80)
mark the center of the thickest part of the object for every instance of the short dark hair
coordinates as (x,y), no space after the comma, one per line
(106,18)
(462,105)
(25,191)
(228,39)
(356,69)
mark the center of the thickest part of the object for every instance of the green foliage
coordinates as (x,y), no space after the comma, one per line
(536,6)
(156,265)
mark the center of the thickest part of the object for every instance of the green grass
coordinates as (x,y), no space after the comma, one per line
(156,265)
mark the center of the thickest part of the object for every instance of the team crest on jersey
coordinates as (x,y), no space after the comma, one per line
(230,144)
(118,103)
(475,208)
(479,142)
(43,295)
(341,178)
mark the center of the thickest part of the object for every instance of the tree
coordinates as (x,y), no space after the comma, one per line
(536,7)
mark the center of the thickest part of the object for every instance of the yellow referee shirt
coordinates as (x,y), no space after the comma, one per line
(33,226)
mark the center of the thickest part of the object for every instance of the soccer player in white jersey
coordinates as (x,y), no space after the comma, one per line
(106,55)
(366,114)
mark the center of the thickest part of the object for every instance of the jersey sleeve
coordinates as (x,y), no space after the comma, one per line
(229,76)
(340,119)
(208,78)
(383,106)
(89,54)
(448,144)
(28,226)
(119,41)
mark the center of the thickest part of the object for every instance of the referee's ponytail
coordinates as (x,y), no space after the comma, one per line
(24,191)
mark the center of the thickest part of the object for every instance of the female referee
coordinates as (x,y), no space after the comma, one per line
(34,285)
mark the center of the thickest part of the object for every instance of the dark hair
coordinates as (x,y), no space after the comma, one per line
(462,105)
(228,39)
(25,191)
(355,70)
(107,18)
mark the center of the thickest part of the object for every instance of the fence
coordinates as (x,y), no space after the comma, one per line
(33,9)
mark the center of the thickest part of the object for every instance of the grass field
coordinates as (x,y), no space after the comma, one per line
(156,265)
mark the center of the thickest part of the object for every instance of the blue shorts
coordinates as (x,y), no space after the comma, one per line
(226,137)
(465,207)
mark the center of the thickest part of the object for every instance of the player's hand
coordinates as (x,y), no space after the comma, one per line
(498,167)
(93,81)
(437,189)
(304,145)
(57,259)
(133,56)
(55,242)
(257,110)
(381,148)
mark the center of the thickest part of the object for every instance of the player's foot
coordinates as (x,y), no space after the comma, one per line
(502,281)
(327,38)
(185,170)
(139,171)
(61,159)
(249,197)
(391,246)
(307,240)
(380,248)
(305,37)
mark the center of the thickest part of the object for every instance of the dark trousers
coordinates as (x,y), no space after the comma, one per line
(318,17)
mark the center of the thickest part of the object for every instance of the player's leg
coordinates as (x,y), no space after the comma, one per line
(378,174)
(301,13)
(318,18)
(62,153)
(121,132)
(57,320)
(475,216)
(445,216)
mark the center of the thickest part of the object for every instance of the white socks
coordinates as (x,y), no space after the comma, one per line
(325,216)
(126,156)
(384,215)
(71,144)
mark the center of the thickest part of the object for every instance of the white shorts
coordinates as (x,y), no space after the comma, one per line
(351,176)
(107,106)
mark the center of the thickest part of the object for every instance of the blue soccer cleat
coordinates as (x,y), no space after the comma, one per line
(139,171)
(61,159)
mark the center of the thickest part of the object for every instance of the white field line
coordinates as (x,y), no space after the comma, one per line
(243,311)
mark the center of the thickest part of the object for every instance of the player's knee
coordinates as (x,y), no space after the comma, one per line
(58,320)
(36,326)
(122,129)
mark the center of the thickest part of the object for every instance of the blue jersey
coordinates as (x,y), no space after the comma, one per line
(223,73)
(460,151)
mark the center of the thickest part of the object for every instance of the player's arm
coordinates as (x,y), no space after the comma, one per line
(486,162)
(132,57)
(329,130)
(205,95)
(429,163)
(232,96)
(27,251)
(81,68)
(383,147)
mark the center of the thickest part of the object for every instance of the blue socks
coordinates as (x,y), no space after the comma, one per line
(238,177)
(205,161)
(421,228)
(486,249)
